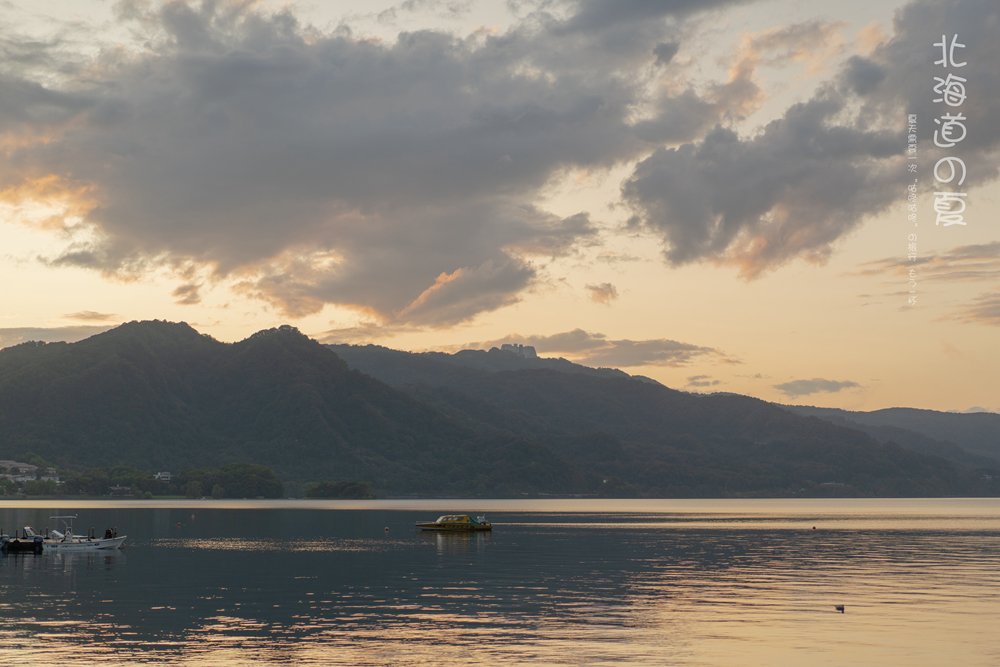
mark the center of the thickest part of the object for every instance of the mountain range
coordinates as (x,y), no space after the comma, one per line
(972,438)
(161,396)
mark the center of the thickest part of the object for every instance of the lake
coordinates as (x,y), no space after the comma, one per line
(575,582)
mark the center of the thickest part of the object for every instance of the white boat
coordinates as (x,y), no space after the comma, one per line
(64,541)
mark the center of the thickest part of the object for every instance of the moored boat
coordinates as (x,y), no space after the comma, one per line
(69,541)
(23,544)
(61,541)
(462,522)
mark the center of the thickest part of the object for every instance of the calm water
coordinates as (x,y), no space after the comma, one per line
(557,582)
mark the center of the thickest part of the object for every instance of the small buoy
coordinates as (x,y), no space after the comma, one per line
(387,529)
(839,607)
(178,524)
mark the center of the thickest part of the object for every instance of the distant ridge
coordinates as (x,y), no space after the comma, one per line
(978,433)
(666,441)
(411,367)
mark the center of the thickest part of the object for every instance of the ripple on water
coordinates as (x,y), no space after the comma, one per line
(740,589)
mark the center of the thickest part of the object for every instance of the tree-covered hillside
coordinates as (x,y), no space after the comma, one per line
(157,395)
(161,396)
(672,443)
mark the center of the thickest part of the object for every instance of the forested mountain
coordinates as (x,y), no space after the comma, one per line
(666,442)
(161,396)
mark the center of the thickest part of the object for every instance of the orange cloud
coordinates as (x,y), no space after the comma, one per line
(604,293)
(47,202)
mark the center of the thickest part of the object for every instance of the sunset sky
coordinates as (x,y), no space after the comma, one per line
(712,194)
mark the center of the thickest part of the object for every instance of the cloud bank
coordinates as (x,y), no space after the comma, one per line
(812,176)
(965,264)
(235,145)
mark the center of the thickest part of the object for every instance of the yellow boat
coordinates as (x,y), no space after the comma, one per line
(462,522)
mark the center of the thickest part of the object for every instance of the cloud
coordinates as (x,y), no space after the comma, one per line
(797,187)
(702,381)
(188,294)
(665,52)
(16,336)
(576,341)
(762,202)
(361,334)
(309,168)
(90,316)
(598,15)
(655,352)
(603,294)
(984,309)
(862,75)
(459,295)
(968,263)
(797,388)
(681,113)
(402,178)
(597,350)
(614,257)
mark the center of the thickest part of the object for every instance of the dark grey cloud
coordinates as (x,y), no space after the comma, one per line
(789,192)
(310,167)
(863,75)
(595,15)
(314,168)
(687,115)
(188,294)
(665,52)
(596,349)
(681,117)
(18,335)
(807,179)
(797,388)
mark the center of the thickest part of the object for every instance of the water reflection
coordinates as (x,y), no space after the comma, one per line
(234,587)
(62,562)
(456,543)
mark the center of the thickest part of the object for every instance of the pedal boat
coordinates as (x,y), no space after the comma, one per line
(456,522)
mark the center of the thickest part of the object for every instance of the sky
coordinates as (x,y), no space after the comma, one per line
(791,200)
